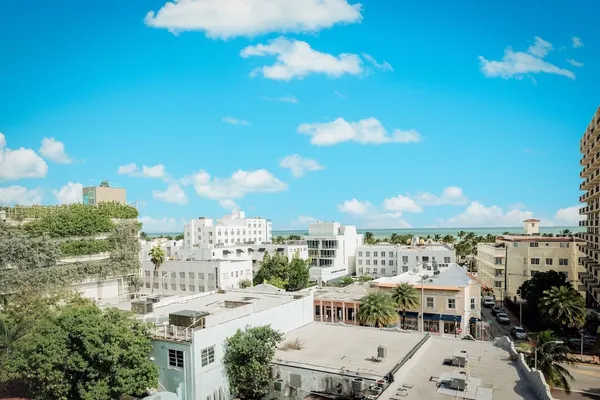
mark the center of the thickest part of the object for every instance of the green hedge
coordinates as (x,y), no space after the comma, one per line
(108,209)
(82,247)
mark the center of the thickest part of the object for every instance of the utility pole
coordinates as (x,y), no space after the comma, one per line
(505,271)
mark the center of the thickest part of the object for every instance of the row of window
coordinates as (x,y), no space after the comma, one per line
(563,245)
(182,287)
(549,261)
(176,357)
(424,259)
(183,275)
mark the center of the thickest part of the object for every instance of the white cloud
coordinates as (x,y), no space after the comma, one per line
(296,59)
(20,163)
(229,204)
(452,195)
(155,171)
(477,215)
(20,195)
(69,193)
(173,194)
(237,186)
(401,203)
(575,63)
(355,207)
(365,131)
(576,42)
(225,19)
(519,64)
(384,66)
(540,47)
(282,99)
(568,216)
(54,150)
(302,221)
(299,165)
(161,225)
(234,121)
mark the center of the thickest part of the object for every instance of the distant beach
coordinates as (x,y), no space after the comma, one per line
(421,232)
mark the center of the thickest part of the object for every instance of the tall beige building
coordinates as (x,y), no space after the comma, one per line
(94,195)
(503,266)
(589,147)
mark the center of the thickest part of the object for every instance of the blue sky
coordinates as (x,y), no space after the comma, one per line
(378,114)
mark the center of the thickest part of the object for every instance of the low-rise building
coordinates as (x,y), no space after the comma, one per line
(385,259)
(190,332)
(94,195)
(503,266)
(332,250)
(451,301)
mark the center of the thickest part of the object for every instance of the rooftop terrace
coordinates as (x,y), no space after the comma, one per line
(451,276)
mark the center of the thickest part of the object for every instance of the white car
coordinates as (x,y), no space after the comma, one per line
(518,333)
(488,301)
(503,318)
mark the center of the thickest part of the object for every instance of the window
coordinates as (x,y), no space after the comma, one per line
(498,260)
(156,274)
(317,310)
(359,262)
(182,288)
(451,303)
(383,270)
(360,253)
(472,303)
(165,285)
(374,262)
(548,261)
(515,244)
(155,285)
(447,260)
(391,254)
(367,254)
(563,261)
(148,285)
(405,268)
(430,302)
(391,262)
(173,286)
(498,284)
(200,275)
(192,275)
(564,245)
(374,270)
(368,270)
(360,270)
(147,273)
(374,254)
(175,358)
(192,288)
(208,356)
(425,258)
(182,275)
(534,244)
(404,259)
(368,262)
(382,262)
(535,261)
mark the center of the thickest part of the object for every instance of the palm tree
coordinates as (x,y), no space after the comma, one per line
(278,240)
(470,237)
(490,238)
(406,298)
(10,332)
(394,238)
(550,356)
(565,232)
(369,238)
(377,309)
(157,257)
(437,237)
(563,306)
(461,234)
(448,239)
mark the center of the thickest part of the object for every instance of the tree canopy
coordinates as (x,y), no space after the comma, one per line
(277,270)
(248,355)
(532,290)
(563,307)
(377,309)
(78,351)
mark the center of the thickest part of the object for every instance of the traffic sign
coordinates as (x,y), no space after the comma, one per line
(459,331)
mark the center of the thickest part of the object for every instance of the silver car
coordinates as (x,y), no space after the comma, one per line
(518,333)
(503,318)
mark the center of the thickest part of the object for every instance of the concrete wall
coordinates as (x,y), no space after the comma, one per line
(534,378)
(98,289)
(171,378)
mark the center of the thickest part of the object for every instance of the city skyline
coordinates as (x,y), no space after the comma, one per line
(470,119)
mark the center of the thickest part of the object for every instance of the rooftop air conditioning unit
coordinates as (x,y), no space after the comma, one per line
(187,318)
(381,352)
(436,272)
(142,306)
(278,385)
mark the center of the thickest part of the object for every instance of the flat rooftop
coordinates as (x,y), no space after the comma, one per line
(352,292)
(407,248)
(346,349)
(487,362)
(451,276)
(537,238)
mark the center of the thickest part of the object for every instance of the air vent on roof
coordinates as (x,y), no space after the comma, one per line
(142,306)
(436,272)
(187,318)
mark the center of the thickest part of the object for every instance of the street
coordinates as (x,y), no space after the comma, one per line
(586,384)
(497,329)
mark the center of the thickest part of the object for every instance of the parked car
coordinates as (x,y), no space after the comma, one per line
(488,301)
(518,333)
(503,318)
(497,309)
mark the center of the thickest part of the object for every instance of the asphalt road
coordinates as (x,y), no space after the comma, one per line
(586,384)
(497,329)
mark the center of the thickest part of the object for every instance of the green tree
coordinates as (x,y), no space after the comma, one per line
(294,237)
(298,274)
(157,257)
(279,240)
(394,238)
(377,309)
(461,235)
(83,353)
(406,298)
(532,290)
(247,359)
(275,266)
(346,280)
(448,239)
(144,236)
(369,238)
(563,306)
(244,283)
(276,281)
(437,237)
(549,360)
(179,237)
(490,238)
(364,278)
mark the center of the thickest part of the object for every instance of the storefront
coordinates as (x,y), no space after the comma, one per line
(447,324)
(410,322)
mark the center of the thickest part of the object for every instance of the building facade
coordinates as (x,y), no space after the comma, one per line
(503,266)
(94,195)
(451,301)
(332,250)
(384,259)
(589,147)
(232,229)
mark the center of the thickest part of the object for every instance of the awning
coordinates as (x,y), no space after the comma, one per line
(226,252)
(280,249)
(250,250)
(239,250)
(450,318)
(431,317)
(261,249)
(410,314)
(474,319)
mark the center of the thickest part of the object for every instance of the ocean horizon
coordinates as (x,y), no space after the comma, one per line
(420,232)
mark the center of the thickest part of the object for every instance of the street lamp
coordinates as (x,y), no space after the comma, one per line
(423,278)
(162,281)
(536,350)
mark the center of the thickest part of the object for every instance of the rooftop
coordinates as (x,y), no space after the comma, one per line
(451,276)
(353,292)
(536,238)
(344,349)
(407,248)
(487,362)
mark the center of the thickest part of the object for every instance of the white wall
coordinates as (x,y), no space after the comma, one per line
(98,289)
(232,229)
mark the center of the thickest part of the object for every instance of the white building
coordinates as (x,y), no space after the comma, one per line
(230,230)
(386,259)
(332,250)
(190,332)
(189,277)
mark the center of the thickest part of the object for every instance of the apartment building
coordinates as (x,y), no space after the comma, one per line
(384,259)
(187,277)
(589,147)
(189,333)
(232,229)
(503,266)
(451,300)
(332,250)
(93,195)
